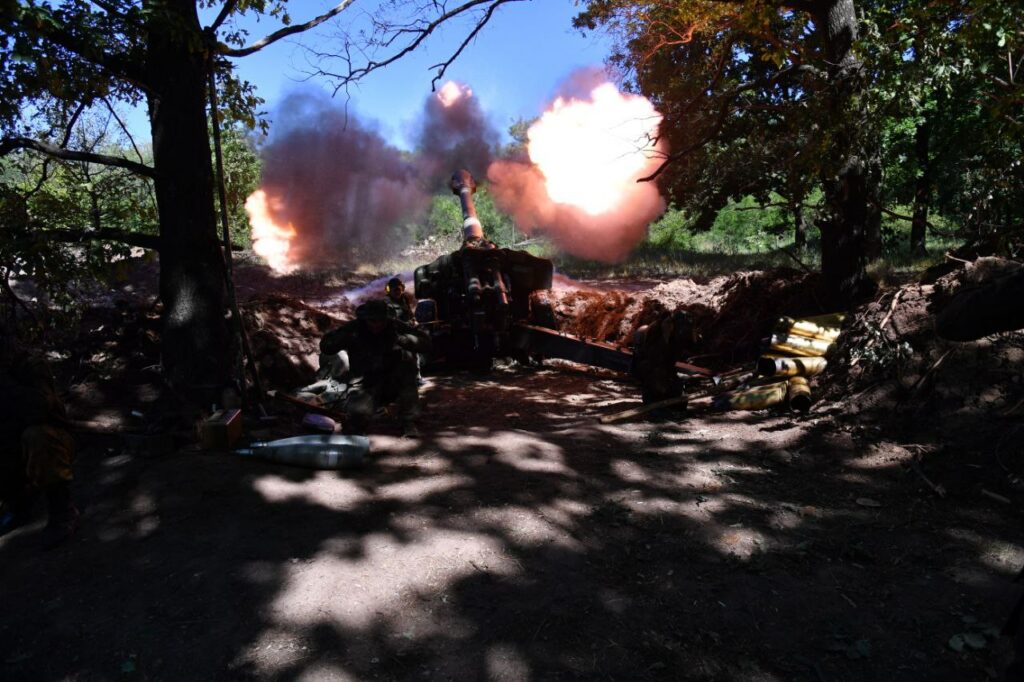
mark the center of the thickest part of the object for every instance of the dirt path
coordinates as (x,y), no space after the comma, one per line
(520,540)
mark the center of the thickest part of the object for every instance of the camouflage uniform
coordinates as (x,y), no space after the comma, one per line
(37,450)
(382,364)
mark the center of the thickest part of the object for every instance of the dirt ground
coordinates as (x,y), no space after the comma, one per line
(520,539)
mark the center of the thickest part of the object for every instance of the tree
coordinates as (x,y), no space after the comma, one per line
(64,221)
(796,58)
(870,99)
(76,51)
(951,105)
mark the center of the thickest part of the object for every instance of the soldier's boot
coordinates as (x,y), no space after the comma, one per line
(17,511)
(63,515)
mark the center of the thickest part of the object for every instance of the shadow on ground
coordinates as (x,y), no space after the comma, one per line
(518,539)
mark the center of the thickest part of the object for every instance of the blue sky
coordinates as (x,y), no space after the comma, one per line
(513,66)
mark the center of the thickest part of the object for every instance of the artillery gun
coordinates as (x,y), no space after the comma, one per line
(482,302)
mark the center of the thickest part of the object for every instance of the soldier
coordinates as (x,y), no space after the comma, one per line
(403,302)
(36,449)
(382,365)
(658,347)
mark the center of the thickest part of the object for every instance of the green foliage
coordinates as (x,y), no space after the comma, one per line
(53,210)
(242,171)
(879,352)
(944,76)
(443,221)
(712,70)
(518,130)
(738,85)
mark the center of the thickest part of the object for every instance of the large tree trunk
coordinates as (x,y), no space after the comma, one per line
(847,177)
(799,229)
(873,224)
(922,191)
(195,344)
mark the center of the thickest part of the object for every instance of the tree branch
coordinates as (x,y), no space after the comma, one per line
(109,8)
(44,174)
(143,241)
(777,204)
(224,13)
(284,32)
(11,144)
(900,216)
(124,129)
(726,99)
(418,31)
(443,66)
(121,66)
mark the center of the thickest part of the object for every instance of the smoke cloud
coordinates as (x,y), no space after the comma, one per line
(453,133)
(520,191)
(579,187)
(338,182)
(346,192)
(334,190)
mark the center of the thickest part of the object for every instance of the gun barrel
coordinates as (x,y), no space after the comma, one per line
(464,186)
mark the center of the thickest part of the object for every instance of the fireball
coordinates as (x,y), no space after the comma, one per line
(451,92)
(592,152)
(270,240)
(580,188)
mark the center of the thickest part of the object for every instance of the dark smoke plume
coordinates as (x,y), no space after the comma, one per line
(342,186)
(346,191)
(453,132)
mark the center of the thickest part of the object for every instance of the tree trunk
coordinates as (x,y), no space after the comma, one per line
(799,229)
(873,224)
(195,344)
(922,192)
(846,175)
(709,214)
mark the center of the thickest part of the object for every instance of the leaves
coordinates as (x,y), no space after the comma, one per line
(924,63)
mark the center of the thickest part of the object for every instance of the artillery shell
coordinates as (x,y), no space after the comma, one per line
(791,367)
(798,394)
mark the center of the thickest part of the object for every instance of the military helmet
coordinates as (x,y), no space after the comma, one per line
(394,284)
(377,309)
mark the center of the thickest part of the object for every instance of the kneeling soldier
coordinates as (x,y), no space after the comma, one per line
(382,365)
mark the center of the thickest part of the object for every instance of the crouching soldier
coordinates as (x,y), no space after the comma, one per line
(657,348)
(382,365)
(36,450)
